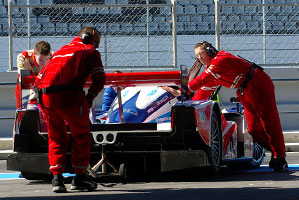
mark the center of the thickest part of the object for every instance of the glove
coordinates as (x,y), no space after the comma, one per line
(89,99)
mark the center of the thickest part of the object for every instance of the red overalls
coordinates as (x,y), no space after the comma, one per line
(64,101)
(25,61)
(258,98)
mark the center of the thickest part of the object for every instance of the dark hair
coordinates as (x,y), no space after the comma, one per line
(91,30)
(210,49)
(42,47)
(90,35)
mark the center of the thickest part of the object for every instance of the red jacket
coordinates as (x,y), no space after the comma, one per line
(71,65)
(225,69)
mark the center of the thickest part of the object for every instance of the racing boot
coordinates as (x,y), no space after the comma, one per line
(58,184)
(82,182)
(281,165)
(272,162)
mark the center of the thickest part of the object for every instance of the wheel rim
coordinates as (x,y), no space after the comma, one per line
(215,142)
(258,152)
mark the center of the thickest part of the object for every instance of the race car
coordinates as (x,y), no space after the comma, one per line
(142,105)
(199,133)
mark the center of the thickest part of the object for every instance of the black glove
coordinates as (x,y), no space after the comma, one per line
(89,104)
(89,100)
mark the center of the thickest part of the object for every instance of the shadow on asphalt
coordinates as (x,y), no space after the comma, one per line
(204,193)
(226,175)
(197,175)
(109,187)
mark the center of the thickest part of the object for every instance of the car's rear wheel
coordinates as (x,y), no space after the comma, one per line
(30,122)
(215,149)
(123,173)
(36,176)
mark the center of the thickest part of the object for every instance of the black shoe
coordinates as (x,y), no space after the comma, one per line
(82,182)
(57,184)
(281,165)
(272,162)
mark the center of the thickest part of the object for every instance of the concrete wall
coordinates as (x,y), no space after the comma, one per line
(286,82)
(7,103)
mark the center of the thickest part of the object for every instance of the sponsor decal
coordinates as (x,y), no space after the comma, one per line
(131,111)
(158,103)
(152,93)
(162,119)
(202,117)
(125,93)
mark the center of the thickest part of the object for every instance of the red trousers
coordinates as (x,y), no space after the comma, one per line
(18,96)
(71,108)
(261,113)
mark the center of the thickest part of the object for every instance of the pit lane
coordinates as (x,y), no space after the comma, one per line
(262,168)
(260,183)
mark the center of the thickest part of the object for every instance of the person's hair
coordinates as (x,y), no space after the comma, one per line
(210,49)
(42,48)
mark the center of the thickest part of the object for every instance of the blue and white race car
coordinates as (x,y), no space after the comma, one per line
(143,105)
(132,142)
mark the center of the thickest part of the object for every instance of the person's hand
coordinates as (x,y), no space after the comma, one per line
(89,100)
(89,104)
(172,91)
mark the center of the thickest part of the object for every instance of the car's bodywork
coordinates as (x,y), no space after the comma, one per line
(199,134)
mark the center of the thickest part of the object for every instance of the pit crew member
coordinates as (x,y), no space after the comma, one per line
(32,60)
(64,101)
(255,90)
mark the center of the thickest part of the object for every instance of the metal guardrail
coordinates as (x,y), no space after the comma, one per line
(1,118)
(8,83)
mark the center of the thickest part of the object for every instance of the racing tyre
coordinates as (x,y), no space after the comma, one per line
(258,155)
(30,122)
(123,173)
(215,149)
(37,176)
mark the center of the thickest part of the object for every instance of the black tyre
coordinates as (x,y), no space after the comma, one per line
(30,122)
(123,173)
(37,176)
(215,150)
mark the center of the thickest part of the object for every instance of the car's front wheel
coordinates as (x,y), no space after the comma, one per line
(215,148)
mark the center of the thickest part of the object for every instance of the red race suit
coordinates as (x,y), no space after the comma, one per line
(26,61)
(64,102)
(258,97)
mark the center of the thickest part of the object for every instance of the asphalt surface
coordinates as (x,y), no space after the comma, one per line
(229,184)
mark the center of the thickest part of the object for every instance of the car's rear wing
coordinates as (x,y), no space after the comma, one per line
(130,79)
(133,79)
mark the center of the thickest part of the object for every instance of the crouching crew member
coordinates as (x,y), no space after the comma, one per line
(33,60)
(64,101)
(255,90)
